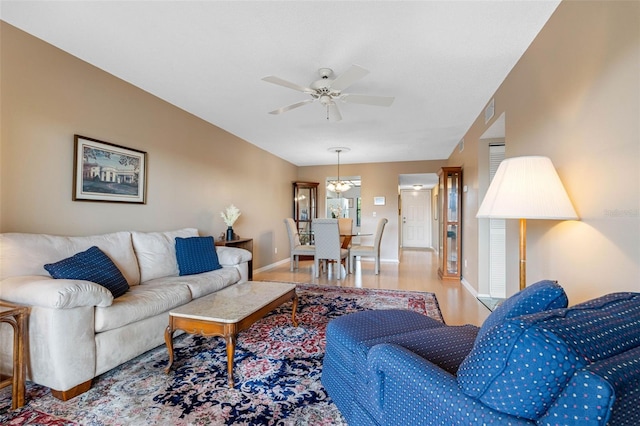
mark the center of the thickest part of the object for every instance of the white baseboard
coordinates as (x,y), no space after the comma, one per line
(469,287)
(272,265)
(371,259)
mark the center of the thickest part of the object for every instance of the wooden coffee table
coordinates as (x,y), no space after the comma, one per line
(227,312)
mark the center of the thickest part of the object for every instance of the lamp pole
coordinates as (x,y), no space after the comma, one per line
(523,253)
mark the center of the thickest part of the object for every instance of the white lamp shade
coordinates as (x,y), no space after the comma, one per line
(526,188)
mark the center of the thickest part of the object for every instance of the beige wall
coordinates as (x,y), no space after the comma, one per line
(574,97)
(378,180)
(195,169)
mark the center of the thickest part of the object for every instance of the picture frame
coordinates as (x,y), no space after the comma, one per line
(350,202)
(107,172)
(378,201)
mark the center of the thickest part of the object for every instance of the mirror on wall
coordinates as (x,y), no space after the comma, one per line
(345,203)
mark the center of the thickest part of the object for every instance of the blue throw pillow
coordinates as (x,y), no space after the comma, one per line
(538,297)
(196,255)
(91,265)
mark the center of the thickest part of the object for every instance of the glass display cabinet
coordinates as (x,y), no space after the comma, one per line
(449,223)
(305,208)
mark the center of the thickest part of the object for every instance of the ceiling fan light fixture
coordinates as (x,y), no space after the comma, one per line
(325,100)
(327,89)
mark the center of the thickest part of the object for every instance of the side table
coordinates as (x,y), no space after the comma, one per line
(16,316)
(243,243)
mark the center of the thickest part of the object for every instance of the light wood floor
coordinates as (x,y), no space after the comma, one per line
(417,271)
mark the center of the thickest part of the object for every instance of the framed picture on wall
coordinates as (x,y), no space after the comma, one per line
(104,171)
(350,202)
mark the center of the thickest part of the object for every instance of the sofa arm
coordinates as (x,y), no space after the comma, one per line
(232,256)
(412,390)
(38,290)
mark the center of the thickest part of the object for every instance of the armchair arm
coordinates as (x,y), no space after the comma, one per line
(46,292)
(604,392)
(412,390)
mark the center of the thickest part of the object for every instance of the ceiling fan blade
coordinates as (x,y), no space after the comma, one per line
(290,107)
(333,113)
(348,77)
(280,82)
(368,100)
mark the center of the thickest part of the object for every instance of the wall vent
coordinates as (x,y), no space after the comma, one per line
(489,111)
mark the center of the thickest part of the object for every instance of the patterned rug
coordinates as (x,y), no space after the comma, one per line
(277,372)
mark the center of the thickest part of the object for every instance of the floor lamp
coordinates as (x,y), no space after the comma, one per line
(526,188)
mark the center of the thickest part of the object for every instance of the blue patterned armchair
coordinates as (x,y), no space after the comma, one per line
(533,361)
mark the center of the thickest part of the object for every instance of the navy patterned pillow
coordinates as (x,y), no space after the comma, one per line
(538,297)
(196,255)
(91,265)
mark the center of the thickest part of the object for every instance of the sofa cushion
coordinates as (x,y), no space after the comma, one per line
(156,252)
(196,255)
(90,265)
(521,366)
(26,254)
(140,302)
(204,283)
(537,297)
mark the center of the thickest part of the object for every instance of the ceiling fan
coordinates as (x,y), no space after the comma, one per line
(327,90)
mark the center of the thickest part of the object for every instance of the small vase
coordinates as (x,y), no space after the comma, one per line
(229,233)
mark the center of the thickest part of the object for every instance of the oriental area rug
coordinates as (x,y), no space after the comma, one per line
(277,372)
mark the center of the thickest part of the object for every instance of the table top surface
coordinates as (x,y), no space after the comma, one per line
(233,303)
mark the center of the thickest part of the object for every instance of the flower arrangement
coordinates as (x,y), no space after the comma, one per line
(230,215)
(336,211)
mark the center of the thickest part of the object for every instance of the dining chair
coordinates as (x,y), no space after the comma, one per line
(345,225)
(327,238)
(295,248)
(369,251)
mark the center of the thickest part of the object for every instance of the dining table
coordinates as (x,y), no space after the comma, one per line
(346,238)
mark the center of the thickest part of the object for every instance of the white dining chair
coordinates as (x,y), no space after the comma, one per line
(295,248)
(369,251)
(328,247)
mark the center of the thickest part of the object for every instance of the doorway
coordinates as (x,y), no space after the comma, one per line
(415,219)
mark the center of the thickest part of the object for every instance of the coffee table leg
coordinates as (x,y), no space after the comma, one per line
(168,338)
(294,308)
(231,349)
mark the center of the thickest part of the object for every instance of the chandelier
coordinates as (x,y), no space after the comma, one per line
(338,185)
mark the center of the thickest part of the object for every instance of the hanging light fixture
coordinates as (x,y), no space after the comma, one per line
(338,185)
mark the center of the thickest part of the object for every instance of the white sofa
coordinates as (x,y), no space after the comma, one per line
(77,330)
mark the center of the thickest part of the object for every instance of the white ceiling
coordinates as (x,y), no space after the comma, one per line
(442,60)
